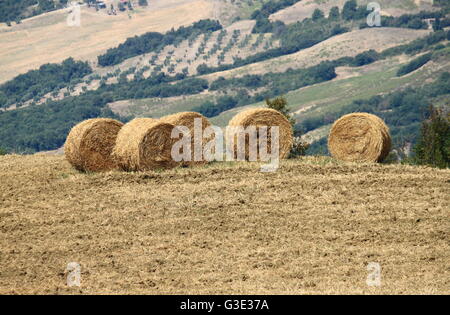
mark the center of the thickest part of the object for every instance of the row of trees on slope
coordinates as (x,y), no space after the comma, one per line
(37,83)
(154,41)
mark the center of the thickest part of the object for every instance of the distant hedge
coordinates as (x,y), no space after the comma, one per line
(414,64)
(37,83)
(153,41)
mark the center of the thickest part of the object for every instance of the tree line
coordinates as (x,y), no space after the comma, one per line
(154,41)
(36,83)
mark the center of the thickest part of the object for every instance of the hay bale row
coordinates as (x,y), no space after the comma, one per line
(98,145)
(359,137)
(146,144)
(187,119)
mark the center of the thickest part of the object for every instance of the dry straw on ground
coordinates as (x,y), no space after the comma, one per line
(264,117)
(145,144)
(359,137)
(89,144)
(187,119)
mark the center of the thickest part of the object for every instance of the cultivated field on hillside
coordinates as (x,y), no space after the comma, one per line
(348,44)
(311,227)
(304,9)
(351,84)
(345,45)
(48,39)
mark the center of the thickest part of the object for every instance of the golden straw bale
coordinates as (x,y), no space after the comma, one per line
(359,137)
(187,119)
(264,117)
(89,145)
(145,144)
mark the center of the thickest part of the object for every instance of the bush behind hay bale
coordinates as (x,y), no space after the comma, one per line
(187,119)
(90,143)
(260,117)
(145,144)
(359,137)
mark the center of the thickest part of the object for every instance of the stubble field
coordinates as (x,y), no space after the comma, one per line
(311,227)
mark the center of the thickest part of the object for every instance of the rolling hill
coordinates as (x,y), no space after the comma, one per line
(225,69)
(48,39)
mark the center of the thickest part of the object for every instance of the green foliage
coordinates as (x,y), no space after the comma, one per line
(45,127)
(437,25)
(414,64)
(37,83)
(318,15)
(153,41)
(365,58)
(14,10)
(273,84)
(280,104)
(271,7)
(414,21)
(350,11)
(301,35)
(416,46)
(433,147)
(3,151)
(334,14)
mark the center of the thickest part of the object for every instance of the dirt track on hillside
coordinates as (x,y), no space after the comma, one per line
(311,227)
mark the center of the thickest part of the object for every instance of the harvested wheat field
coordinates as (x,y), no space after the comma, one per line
(311,227)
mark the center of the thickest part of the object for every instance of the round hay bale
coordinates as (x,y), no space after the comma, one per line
(359,137)
(90,143)
(145,144)
(187,119)
(264,117)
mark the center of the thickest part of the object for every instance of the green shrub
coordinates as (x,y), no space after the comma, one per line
(414,65)
(280,104)
(433,147)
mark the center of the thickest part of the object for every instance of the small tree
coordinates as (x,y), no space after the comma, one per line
(334,14)
(350,9)
(437,25)
(280,104)
(3,151)
(317,15)
(433,147)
